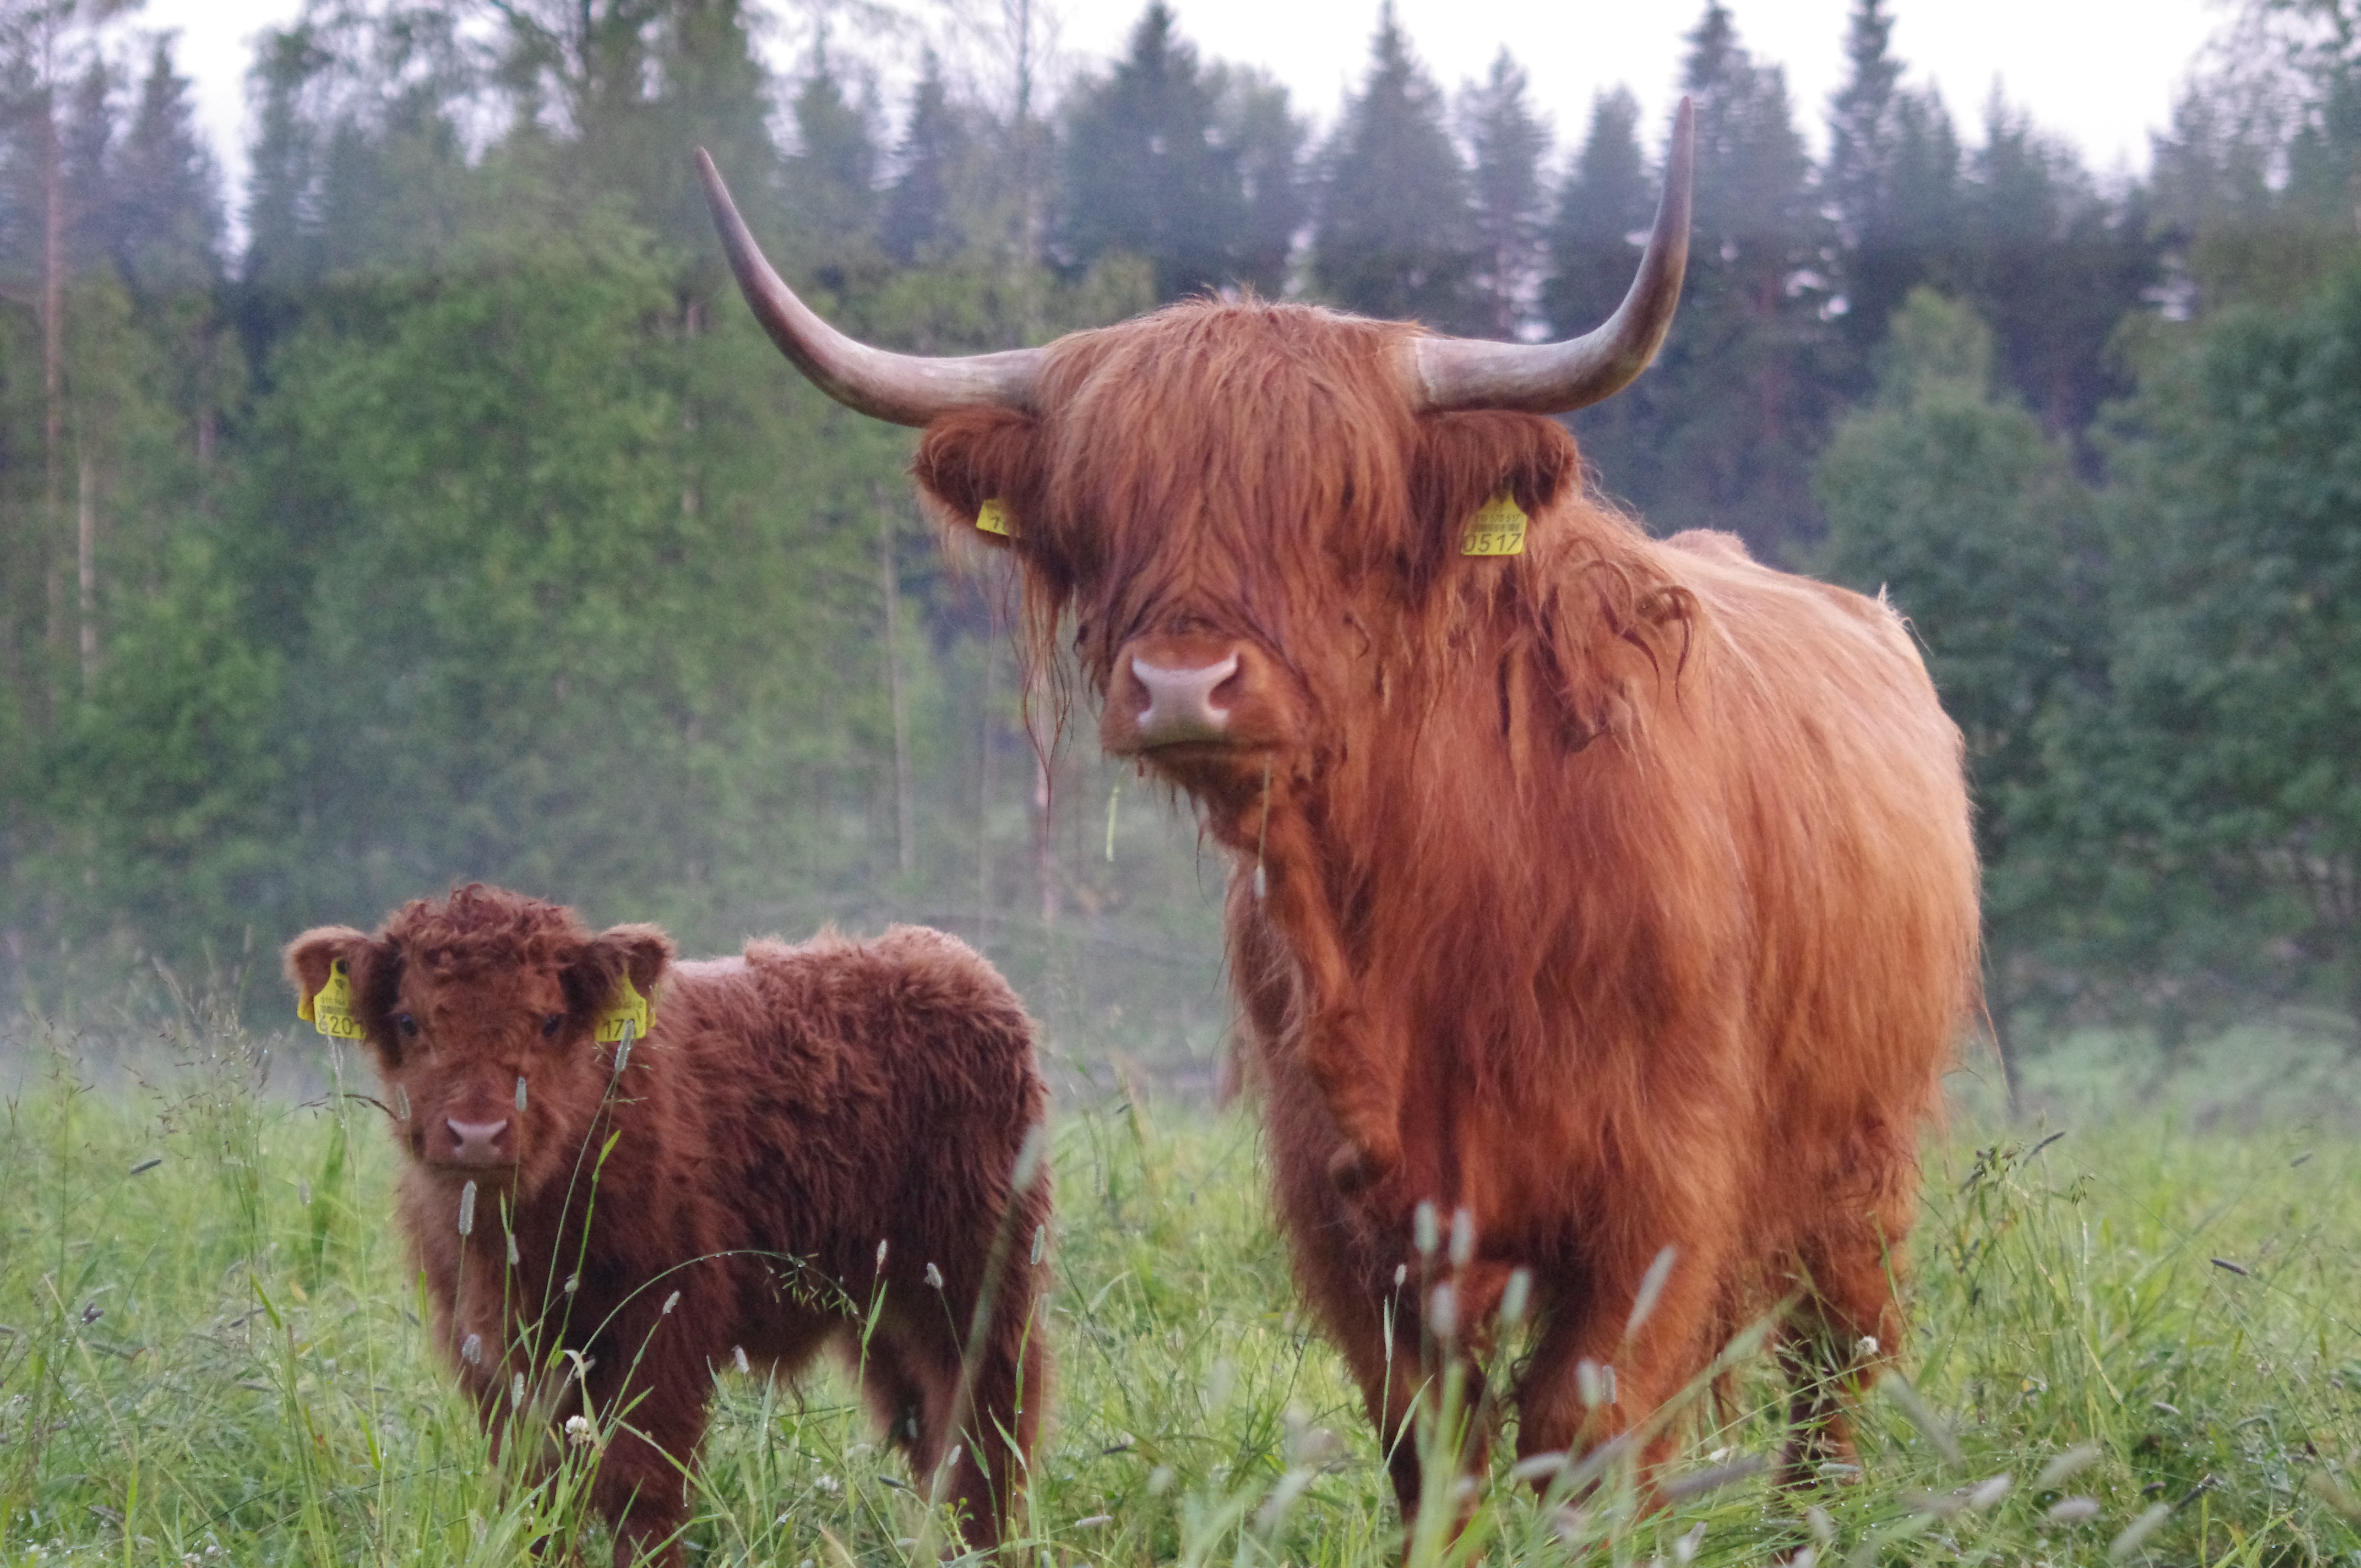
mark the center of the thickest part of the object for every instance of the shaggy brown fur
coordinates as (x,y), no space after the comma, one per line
(1620,894)
(806,1131)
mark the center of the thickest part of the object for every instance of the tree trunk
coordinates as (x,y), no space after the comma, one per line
(86,569)
(53,313)
(985,779)
(905,831)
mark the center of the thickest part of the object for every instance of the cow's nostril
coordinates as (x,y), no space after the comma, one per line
(1182,702)
(476,1141)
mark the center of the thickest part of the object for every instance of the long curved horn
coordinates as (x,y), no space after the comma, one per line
(1555,377)
(906,389)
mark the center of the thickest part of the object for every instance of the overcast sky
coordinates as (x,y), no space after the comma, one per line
(2101,73)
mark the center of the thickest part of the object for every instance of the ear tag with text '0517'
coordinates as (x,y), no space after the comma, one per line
(1496,529)
(330,1009)
(992,517)
(629,1007)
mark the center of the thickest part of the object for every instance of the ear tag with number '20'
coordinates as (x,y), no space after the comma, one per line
(992,518)
(1496,529)
(330,1009)
(630,1007)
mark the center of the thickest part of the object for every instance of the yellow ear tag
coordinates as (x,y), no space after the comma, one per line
(1496,529)
(992,518)
(630,1007)
(330,1010)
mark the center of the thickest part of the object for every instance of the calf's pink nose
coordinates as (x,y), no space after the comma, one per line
(476,1142)
(1180,704)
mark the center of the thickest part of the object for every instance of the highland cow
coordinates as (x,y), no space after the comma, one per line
(625,1174)
(1609,900)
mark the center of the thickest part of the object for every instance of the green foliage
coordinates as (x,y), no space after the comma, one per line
(2237,558)
(211,1347)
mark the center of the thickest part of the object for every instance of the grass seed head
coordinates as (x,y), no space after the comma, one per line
(2067,1463)
(2073,1510)
(2136,1533)
(1442,1312)
(1423,1229)
(1652,1288)
(1517,1297)
(471,1349)
(1463,1238)
(934,1277)
(670,1302)
(467,1210)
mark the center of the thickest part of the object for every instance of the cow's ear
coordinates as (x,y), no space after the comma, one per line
(345,983)
(979,471)
(640,953)
(1466,460)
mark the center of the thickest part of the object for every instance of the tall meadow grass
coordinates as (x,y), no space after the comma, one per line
(2130,1341)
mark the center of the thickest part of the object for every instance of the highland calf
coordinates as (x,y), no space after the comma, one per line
(625,1173)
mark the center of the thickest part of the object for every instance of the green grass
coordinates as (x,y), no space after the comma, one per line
(216,1358)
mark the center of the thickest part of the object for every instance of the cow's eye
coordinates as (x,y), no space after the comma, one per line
(407,1024)
(549,1024)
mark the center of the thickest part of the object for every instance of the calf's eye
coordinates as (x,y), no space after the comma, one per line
(549,1024)
(407,1024)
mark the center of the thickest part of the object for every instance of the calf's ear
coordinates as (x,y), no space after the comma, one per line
(641,953)
(372,974)
(310,959)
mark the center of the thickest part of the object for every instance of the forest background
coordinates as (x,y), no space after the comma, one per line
(459,524)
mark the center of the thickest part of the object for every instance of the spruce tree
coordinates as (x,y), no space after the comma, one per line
(1265,141)
(1607,198)
(166,209)
(919,222)
(2054,265)
(1893,181)
(832,179)
(1146,168)
(1722,433)
(1395,234)
(1506,142)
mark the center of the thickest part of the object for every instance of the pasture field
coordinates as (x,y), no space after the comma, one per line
(2133,1342)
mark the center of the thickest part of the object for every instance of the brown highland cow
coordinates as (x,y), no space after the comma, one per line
(1609,900)
(795,1134)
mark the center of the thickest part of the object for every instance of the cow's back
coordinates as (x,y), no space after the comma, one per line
(872,1081)
(1848,805)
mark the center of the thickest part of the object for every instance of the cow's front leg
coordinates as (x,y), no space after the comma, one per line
(1594,1377)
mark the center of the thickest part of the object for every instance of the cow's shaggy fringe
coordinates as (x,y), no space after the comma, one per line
(1620,893)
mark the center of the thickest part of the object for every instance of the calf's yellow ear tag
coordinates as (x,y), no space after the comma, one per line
(629,1007)
(330,1010)
(992,518)
(1496,529)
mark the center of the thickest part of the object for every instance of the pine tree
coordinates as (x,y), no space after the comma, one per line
(1607,198)
(1395,235)
(1508,142)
